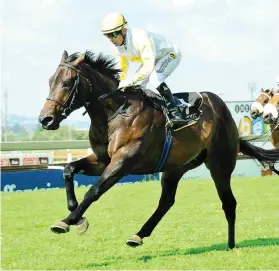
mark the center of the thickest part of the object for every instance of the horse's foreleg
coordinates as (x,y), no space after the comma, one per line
(119,166)
(87,166)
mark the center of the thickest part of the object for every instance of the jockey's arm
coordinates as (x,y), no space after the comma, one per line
(147,53)
(123,65)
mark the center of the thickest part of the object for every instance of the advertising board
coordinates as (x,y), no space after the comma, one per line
(246,125)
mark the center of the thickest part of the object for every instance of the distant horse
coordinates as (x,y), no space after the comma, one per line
(271,112)
(257,107)
(257,110)
(128,136)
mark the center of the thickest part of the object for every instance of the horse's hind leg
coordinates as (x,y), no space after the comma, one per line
(228,205)
(221,170)
(169,183)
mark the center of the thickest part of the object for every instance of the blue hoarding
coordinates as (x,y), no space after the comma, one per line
(53,179)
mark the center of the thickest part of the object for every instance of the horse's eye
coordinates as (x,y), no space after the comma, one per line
(66,83)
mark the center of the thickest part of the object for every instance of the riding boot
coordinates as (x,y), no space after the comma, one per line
(174,116)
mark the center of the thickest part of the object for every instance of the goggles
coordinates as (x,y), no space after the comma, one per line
(113,34)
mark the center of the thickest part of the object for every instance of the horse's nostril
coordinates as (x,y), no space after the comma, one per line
(254,114)
(47,120)
(267,116)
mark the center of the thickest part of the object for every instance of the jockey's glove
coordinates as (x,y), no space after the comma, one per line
(124,83)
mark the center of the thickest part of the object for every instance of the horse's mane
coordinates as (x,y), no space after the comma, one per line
(268,90)
(105,65)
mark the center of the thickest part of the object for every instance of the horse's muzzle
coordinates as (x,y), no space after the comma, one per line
(48,122)
(254,114)
(268,118)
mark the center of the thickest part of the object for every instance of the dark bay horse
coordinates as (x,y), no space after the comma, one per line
(129,140)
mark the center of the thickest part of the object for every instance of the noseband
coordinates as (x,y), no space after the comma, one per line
(66,106)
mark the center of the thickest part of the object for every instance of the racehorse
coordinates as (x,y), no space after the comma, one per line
(257,106)
(257,110)
(271,114)
(128,136)
(260,105)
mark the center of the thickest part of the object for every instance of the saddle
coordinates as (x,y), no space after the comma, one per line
(189,104)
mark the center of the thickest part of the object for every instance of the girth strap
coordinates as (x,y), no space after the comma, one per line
(165,152)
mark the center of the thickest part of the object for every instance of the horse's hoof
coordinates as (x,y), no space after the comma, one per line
(134,241)
(82,226)
(60,227)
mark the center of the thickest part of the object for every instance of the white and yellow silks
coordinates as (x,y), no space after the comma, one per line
(147,49)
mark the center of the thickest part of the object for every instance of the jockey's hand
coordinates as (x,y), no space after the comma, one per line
(124,83)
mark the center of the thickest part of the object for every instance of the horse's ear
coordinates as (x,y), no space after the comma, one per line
(64,56)
(262,90)
(270,92)
(79,60)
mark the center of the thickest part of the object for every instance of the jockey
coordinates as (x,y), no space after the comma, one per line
(158,57)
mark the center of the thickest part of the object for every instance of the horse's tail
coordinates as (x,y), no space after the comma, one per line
(269,157)
(274,169)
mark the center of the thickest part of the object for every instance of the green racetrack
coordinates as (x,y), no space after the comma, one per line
(193,235)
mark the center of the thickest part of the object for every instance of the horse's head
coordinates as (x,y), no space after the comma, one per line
(68,92)
(257,107)
(271,110)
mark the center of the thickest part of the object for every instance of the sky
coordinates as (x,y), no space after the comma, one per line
(226,45)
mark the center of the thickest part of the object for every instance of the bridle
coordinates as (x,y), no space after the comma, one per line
(264,94)
(66,106)
(268,96)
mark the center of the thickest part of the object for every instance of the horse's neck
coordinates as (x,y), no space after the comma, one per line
(102,111)
(96,113)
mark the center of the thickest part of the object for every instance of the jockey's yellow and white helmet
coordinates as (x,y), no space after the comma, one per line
(113,22)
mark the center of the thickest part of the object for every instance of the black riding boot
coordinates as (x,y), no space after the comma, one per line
(174,116)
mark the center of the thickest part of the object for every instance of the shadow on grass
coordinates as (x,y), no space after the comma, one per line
(260,242)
